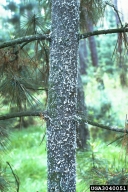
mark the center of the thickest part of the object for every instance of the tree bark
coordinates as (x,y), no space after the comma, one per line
(83,56)
(62,97)
(82,128)
(92,43)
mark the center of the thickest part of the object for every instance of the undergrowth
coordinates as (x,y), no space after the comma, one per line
(27,156)
(102,165)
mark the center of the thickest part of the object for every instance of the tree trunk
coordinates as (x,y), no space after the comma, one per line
(92,43)
(83,56)
(118,24)
(82,128)
(62,97)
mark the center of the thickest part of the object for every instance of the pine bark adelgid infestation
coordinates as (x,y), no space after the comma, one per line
(62,96)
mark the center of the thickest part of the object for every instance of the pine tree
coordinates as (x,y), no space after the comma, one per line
(61,114)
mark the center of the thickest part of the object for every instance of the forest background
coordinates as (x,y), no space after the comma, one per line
(103,69)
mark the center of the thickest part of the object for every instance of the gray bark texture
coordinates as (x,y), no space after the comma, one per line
(62,97)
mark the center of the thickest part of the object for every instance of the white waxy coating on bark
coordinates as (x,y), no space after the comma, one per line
(62,96)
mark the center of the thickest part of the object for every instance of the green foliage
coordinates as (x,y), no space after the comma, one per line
(19,92)
(6,179)
(24,69)
(92,10)
(106,101)
(4,186)
(91,175)
(35,24)
(4,134)
(101,165)
(28,156)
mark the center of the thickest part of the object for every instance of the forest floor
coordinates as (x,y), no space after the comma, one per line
(27,156)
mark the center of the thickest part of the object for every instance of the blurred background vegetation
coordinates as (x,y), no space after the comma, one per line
(23,86)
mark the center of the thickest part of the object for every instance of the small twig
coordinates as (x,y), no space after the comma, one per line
(42,138)
(118,138)
(21,47)
(15,176)
(123,27)
(117,12)
(37,89)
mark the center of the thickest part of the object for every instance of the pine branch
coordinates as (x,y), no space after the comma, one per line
(45,116)
(111,128)
(25,39)
(47,37)
(108,31)
(23,114)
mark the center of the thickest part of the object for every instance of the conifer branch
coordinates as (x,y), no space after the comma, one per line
(25,39)
(47,37)
(23,114)
(101,32)
(111,128)
(45,116)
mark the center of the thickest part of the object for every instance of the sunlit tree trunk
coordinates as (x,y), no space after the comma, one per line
(62,97)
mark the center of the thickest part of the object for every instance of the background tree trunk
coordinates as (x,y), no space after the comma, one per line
(92,43)
(82,128)
(62,97)
(122,64)
(83,56)
(118,25)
